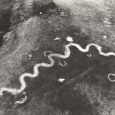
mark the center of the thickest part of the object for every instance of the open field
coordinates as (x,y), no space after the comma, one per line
(57,57)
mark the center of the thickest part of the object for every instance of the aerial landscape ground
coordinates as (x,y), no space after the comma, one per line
(57,57)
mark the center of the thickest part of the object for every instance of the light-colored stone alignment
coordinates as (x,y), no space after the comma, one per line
(109,77)
(51,60)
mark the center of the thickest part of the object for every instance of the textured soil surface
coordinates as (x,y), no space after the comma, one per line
(28,28)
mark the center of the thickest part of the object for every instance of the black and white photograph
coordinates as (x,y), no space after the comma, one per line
(57,57)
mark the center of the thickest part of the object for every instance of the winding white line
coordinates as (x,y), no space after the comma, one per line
(23,100)
(51,60)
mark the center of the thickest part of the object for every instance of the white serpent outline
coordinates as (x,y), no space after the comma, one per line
(66,54)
